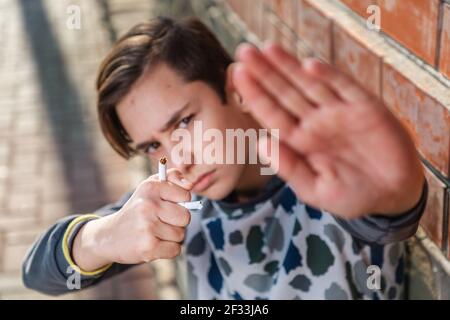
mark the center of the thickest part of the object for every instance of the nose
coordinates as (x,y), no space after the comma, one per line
(185,167)
(183,160)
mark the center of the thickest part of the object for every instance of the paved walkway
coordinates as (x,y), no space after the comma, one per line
(53,159)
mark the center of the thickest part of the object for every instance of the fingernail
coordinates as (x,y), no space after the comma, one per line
(239,70)
(243,49)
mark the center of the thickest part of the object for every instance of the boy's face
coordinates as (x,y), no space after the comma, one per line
(160,96)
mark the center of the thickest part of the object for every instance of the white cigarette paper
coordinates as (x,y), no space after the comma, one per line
(193,205)
(162,169)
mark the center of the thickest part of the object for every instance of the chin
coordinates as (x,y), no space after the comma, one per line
(219,190)
(216,192)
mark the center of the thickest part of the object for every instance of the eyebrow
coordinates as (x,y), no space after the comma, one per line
(172,120)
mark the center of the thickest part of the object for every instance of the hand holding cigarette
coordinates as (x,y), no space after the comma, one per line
(162,174)
(150,226)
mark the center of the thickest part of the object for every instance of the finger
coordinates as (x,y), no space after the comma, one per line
(176,176)
(168,250)
(292,167)
(165,190)
(229,82)
(262,106)
(174,214)
(341,84)
(232,93)
(286,94)
(166,232)
(314,89)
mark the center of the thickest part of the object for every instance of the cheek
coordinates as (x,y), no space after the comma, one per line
(230,175)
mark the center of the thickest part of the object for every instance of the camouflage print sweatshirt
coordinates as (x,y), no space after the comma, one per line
(271,247)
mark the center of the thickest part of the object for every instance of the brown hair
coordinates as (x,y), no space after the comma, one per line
(187,46)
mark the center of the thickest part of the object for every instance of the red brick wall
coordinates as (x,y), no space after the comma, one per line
(406,64)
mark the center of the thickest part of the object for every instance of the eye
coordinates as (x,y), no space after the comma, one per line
(185,121)
(152,147)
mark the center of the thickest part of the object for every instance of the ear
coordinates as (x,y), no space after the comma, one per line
(233,95)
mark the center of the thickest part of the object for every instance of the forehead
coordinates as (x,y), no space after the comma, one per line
(155,96)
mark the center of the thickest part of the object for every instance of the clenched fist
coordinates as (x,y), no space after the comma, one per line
(151,225)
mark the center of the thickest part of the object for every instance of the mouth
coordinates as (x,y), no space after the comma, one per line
(203,182)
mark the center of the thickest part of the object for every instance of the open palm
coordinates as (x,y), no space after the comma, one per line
(341,149)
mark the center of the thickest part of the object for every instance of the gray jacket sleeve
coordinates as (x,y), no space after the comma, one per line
(45,269)
(382,229)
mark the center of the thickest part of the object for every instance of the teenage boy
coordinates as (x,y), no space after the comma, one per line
(257,236)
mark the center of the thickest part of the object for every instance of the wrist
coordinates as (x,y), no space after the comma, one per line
(401,203)
(90,250)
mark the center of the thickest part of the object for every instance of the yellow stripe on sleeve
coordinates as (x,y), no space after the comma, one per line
(66,250)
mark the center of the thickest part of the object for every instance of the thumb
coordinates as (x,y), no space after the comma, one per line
(175,176)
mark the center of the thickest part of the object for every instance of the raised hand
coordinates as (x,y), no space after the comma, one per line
(341,149)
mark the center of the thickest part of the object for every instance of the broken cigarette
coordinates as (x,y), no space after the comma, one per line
(192,205)
(162,168)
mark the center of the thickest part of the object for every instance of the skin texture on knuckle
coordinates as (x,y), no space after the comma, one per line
(181,233)
(146,210)
(187,195)
(150,226)
(183,215)
(187,217)
(174,251)
(146,248)
(149,188)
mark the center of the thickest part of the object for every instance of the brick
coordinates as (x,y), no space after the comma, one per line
(20,237)
(240,7)
(22,203)
(414,24)
(360,6)
(357,61)
(4,173)
(28,164)
(434,133)
(2,251)
(448,223)
(255,19)
(444,62)
(27,125)
(5,151)
(400,96)
(286,10)
(54,210)
(13,256)
(272,28)
(427,120)
(3,197)
(313,25)
(6,120)
(433,216)
(10,281)
(268,5)
(16,222)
